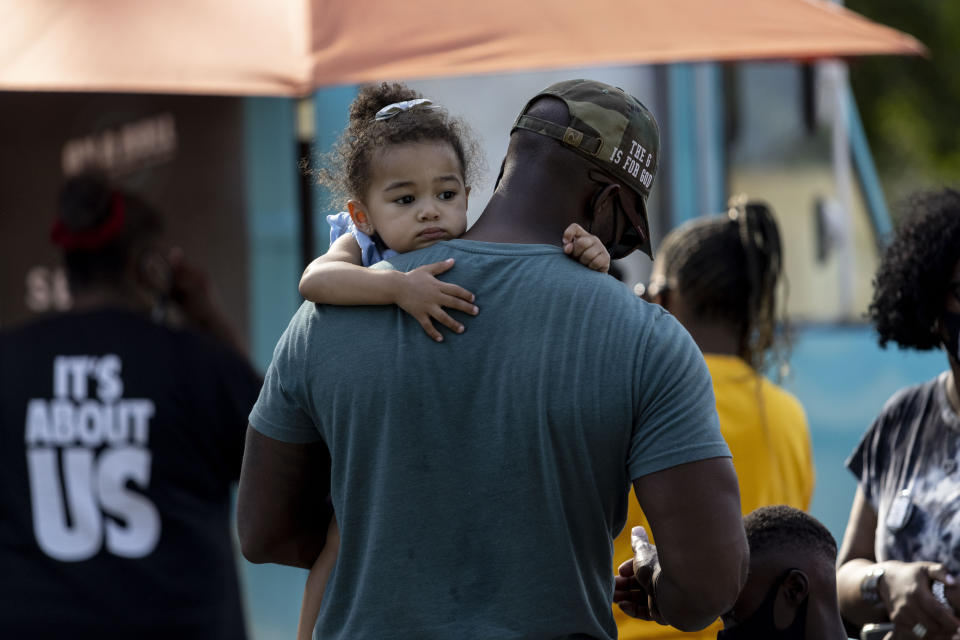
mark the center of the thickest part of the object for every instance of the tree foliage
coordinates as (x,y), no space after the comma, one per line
(911,106)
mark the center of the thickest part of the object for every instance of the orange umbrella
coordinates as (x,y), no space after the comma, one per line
(290,47)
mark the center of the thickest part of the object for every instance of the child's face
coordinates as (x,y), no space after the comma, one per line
(416,196)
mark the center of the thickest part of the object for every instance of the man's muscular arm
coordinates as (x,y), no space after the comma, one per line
(701,556)
(282,513)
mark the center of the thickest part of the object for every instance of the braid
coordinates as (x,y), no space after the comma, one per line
(728,267)
(761,243)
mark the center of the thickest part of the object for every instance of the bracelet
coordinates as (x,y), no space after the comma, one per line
(869,591)
(939,592)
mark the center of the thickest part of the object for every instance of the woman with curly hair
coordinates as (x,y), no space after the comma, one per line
(900,557)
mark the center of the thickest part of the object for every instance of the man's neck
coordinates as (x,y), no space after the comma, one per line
(536,212)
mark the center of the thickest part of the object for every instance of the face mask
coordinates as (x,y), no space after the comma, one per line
(631,239)
(951,324)
(760,625)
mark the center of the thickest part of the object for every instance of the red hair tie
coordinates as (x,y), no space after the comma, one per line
(95,238)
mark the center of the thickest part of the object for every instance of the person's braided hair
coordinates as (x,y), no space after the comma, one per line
(728,267)
(348,171)
(912,282)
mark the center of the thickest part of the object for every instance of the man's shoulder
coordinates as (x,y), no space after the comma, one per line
(315,326)
(413,259)
(305,318)
(470,251)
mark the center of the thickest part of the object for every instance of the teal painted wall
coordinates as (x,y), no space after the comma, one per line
(331,113)
(273,593)
(682,144)
(272,190)
(843,378)
(693,148)
(272,210)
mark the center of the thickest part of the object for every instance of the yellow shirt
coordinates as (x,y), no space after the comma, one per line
(766,430)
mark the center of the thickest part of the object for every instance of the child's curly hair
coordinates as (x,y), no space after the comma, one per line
(348,170)
(913,279)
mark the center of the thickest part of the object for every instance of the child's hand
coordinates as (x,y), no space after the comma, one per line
(423,296)
(587,248)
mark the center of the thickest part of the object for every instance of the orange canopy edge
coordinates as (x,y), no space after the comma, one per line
(291,47)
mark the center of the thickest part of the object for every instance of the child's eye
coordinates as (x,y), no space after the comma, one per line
(448,195)
(404,200)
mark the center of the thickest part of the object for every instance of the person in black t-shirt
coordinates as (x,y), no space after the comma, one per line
(120,440)
(900,557)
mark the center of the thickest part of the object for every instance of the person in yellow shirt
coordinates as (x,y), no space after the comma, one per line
(718,276)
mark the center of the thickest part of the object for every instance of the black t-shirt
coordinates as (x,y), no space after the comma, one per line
(120,441)
(907,466)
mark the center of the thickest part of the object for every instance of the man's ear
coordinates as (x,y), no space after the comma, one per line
(359,216)
(606,199)
(796,587)
(794,590)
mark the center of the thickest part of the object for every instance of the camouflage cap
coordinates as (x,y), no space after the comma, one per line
(613,130)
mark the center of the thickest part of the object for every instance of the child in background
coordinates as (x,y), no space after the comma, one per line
(404,166)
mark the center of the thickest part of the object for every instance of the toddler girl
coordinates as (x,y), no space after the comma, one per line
(404,164)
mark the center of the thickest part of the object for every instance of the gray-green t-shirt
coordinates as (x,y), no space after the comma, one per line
(478,482)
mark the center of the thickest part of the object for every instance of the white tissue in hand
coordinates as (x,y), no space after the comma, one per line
(643,551)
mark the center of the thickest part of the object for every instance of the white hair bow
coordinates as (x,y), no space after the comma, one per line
(393,109)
